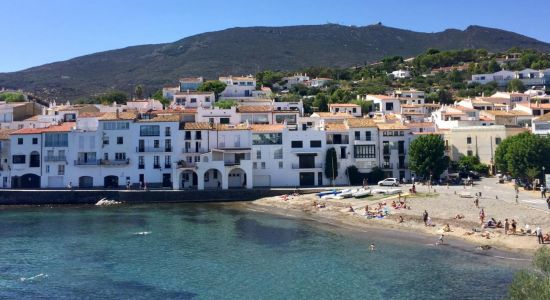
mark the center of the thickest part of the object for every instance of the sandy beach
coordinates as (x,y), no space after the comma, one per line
(442,204)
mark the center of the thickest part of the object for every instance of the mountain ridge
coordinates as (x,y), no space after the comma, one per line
(247,50)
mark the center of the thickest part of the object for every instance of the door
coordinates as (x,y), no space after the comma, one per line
(320,178)
(167,180)
(141,145)
(85,182)
(307,178)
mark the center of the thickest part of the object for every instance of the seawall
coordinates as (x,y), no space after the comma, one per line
(44,197)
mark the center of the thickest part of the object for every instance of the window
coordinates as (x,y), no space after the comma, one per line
(207,99)
(267,138)
(18,159)
(60,169)
(47,169)
(258,154)
(343,153)
(120,156)
(116,125)
(193,100)
(498,140)
(278,153)
(20,141)
(168,145)
(368,136)
(120,140)
(263,164)
(224,120)
(315,144)
(364,151)
(389,106)
(254,165)
(167,131)
(156,143)
(358,135)
(105,140)
(296,144)
(188,135)
(34,141)
(156,162)
(469,140)
(106,156)
(167,161)
(149,130)
(198,135)
(141,162)
(280,164)
(470,153)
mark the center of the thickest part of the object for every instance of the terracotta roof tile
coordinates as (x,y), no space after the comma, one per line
(254,108)
(267,127)
(91,115)
(63,127)
(336,127)
(162,118)
(342,105)
(391,126)
(197,126)
(360,123)
(5,133)
(112,116)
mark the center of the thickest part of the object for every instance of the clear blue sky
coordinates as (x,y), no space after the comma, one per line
(35,32)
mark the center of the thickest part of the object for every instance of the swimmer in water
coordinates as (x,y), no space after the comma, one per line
(440,240)
(372,248)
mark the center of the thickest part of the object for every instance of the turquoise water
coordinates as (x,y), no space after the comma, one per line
(192,251)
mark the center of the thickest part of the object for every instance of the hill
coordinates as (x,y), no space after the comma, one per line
(247,50)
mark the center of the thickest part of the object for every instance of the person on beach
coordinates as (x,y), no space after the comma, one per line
(482,216)
(506,226)
(425,217)
(540,238)
(127,184)
(351,209)
(447,228)
(548,202)
(514,226)
(440,240)
(372,247)
(517,202)
(400,219)
(476,202)
(542,191)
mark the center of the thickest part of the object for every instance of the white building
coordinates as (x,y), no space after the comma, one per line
(385,104)
(348,108)
(238,86)
(401,74)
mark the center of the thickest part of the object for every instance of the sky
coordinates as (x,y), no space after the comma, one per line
(36,32)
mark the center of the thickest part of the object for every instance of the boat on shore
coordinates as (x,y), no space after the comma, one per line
(361,193)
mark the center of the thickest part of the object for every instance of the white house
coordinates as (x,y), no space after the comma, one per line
(401,74)
(238,86)
(348,108)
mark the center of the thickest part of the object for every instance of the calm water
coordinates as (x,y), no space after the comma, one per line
(214,251)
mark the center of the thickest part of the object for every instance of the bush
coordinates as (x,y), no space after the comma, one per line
(533,284)
(12,97)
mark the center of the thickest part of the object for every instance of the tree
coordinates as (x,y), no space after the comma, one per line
(533,284)
(427,156)
(515,85)
(215,86)
(225,104)
(12,97)
(321,102)
(139,91)
(158,96)
(331,165)
(517,154)
(113,96)
(471,163)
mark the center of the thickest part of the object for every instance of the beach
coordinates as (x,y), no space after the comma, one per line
(443,204)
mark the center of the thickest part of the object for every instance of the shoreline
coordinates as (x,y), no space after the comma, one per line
(336,213)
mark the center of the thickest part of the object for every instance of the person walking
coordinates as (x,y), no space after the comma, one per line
(542,191)
(425,217)
(506,226)
(482,216)
(514,226)
(548,202)
(517,202)
(476,202)
(538,231)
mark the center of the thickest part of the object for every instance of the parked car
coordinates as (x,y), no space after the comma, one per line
(389,182)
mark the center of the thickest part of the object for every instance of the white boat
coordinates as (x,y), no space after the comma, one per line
(378,191)
(393,191)
(347,193)
(361,193)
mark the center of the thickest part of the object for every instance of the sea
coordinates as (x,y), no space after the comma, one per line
(227,251)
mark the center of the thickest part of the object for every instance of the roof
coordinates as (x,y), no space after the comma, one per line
(336,127)
(176,110)
(237,78)
(197,126)
(193,93)
(192,79)
(254,108)
(162,118)
(5,133)
(543,118)
(228,127)
(63,127)
(342,105)
(360,123)
(520,113)
(391,126)
(382,97)
(420,124)
(113,116)
(91,114)
(267,127)
(329,115)
(501,113)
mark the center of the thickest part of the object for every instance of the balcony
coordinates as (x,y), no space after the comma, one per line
(387,165)
(193,150)
(185,164)
(114,162)
(87,162)
(156,166)
(141,167)
(315,166)
(153,149)
(167,166)
(55,158)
